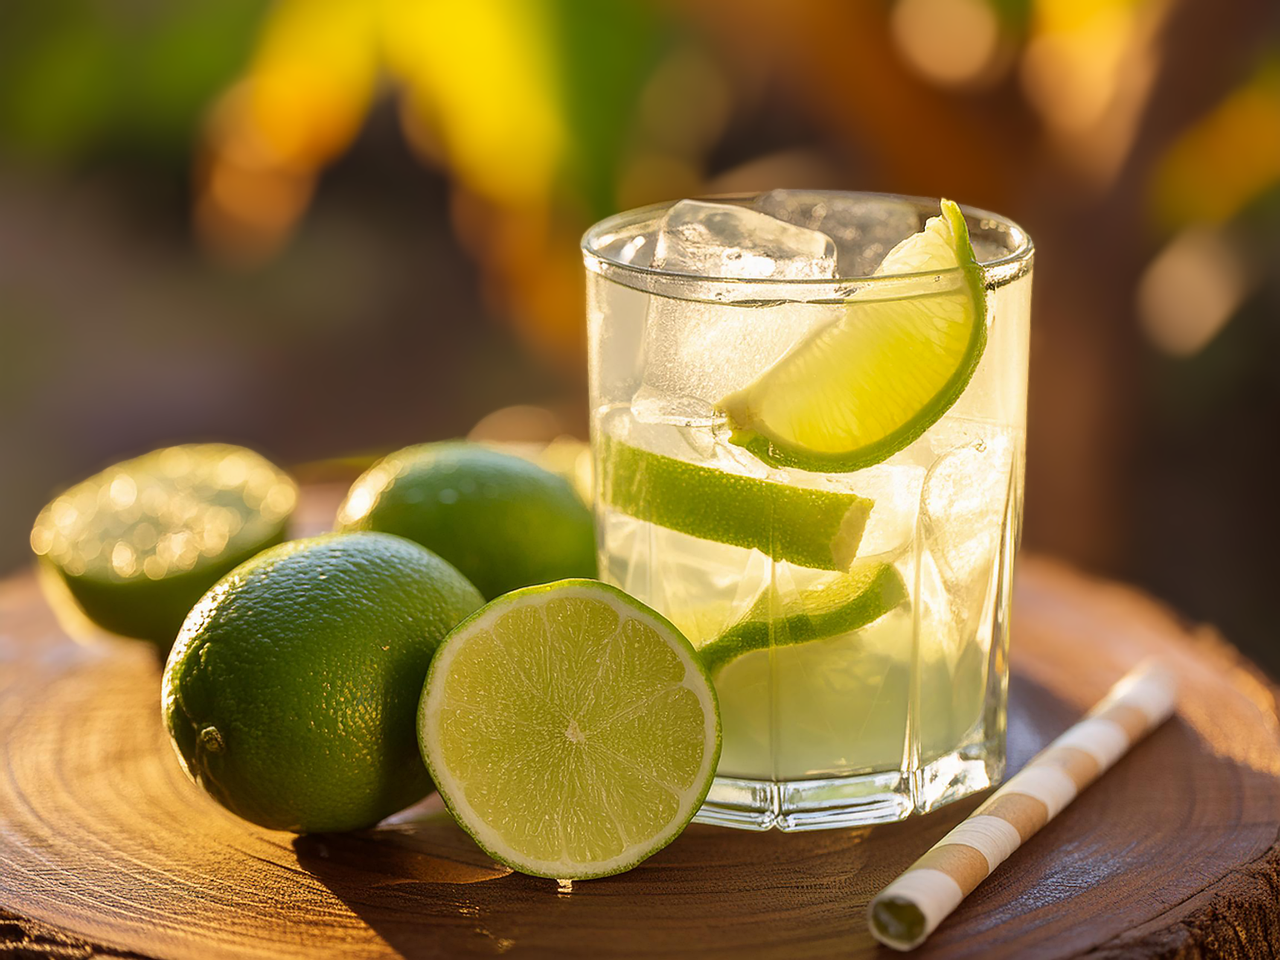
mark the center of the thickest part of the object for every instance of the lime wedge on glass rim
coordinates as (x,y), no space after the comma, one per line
(834,606)
(859,389)
(571,730)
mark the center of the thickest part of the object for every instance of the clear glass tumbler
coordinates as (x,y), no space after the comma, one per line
(855,622)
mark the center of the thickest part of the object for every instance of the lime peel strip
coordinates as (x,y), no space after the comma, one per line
(820,529)
(869,591)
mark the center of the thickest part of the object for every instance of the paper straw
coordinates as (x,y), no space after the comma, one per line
(905,912)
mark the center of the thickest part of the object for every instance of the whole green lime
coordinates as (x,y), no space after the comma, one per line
(139,543)
(291,691)
(501,520)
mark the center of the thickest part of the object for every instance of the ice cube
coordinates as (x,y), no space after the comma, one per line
(706,447)
(863,228)
(697,353)
(963,509)
(729,241)
(701,586)
(895,488)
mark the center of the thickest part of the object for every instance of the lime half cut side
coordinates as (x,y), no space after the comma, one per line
(571,730)
(809,527)
(836,605)
(139,543)
(861,388)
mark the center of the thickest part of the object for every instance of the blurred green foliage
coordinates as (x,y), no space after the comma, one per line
(1014,14)
(78,76)
(607,59)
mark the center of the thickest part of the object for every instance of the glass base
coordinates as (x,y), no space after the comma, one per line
(852,801)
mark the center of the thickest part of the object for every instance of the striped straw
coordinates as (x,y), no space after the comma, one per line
(905,912)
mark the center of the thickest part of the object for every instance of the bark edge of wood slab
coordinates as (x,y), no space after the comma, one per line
(1172,853)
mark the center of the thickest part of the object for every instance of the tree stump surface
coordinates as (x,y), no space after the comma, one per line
(106,850)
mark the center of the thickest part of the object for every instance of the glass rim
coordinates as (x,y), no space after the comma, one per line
(1000,269)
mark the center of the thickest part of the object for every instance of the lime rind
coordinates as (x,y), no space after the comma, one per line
(819,529)
(452,791)
(742,409)
(849,602)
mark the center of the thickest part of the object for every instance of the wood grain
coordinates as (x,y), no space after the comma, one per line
(1174,852)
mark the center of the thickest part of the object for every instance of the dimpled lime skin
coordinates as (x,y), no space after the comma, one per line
(503,521)
(291,692)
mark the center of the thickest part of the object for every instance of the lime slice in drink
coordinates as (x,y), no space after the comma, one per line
(139,543)
(801,525)
(571,730)
(857,390)
(837,605)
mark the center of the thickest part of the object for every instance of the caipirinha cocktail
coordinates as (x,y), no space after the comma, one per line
(808,420)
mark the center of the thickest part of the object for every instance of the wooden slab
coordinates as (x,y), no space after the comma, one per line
(1173,851)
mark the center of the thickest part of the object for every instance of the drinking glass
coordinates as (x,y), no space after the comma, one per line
(859,714)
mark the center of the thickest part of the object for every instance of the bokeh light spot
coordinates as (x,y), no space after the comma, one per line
(951,42)
(1190,290)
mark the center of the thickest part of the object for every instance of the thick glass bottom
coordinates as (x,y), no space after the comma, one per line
(851,801)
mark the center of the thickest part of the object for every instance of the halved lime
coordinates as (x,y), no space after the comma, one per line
(139,543)
(856,391)
(571,730)
(834,606)
(801,525)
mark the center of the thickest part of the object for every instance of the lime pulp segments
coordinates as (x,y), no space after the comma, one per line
(859,389)
(571,730)
(808,527)
(867,592)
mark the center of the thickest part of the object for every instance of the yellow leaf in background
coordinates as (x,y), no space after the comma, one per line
(1089,67)
(482,75)
(300,103)
(312,79)
(1226,160)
